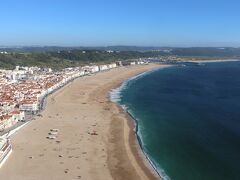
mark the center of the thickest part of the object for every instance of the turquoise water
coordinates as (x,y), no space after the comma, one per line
(189,119)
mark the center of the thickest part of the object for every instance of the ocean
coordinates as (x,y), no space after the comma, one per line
(188,119)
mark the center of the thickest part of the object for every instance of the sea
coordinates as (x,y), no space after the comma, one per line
(187,119)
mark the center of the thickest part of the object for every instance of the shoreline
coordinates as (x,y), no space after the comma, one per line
(209,61)
(149,167)
(147,161)
(112,154)
(138,151)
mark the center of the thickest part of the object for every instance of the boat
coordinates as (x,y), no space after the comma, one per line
(5,150)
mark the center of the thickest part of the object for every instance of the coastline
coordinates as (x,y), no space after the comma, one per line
(141,159)
(134,138)
(76,154)
(209,61)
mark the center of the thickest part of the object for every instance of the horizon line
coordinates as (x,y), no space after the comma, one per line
(104,46)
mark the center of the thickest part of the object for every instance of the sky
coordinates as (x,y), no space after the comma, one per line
(177,23)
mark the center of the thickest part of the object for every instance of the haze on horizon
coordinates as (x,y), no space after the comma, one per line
(107,22)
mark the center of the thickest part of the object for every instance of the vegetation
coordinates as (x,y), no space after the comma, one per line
(9,61)
(62,59)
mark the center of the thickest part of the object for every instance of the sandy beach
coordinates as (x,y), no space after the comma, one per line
(78,110)
(209,61)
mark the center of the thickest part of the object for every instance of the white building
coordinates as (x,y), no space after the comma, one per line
(103,67)
(18,115)
(7,121)
(94,69)
(29,106)
(113,65)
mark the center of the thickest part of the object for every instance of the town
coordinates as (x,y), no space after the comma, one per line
(22,90)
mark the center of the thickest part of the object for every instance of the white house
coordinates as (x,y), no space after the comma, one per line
(103,67)
(31,106)
(113,65)
(18,115)
(7,121)
(94,69)
(81,73)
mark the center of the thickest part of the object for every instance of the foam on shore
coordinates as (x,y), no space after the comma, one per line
(115,96)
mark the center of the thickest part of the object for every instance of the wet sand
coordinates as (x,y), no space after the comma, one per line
(78,110)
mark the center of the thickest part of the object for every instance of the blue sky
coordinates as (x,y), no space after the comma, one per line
(120,22)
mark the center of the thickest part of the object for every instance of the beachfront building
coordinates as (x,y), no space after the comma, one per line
(119,63)
(86,69)
(91,69)
(133,63)
(95,69)
(111,66)
(103,67)
(23,89)
(29,106)
(7,121)
(18,115)
(81,73)
(140,62)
